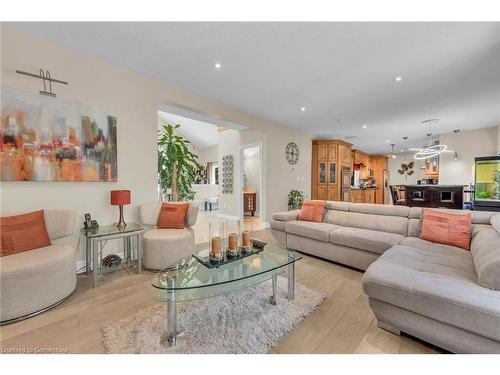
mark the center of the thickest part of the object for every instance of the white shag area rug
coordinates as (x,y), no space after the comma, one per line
(239,322)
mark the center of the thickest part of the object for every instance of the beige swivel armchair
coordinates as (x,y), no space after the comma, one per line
(34,281)
(163,247)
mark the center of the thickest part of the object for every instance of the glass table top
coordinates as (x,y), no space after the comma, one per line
(109,230)
(189,280)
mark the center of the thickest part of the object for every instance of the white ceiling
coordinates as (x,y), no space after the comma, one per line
(200,134)
(341,72)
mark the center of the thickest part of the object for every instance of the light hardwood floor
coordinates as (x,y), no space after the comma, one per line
(343,323)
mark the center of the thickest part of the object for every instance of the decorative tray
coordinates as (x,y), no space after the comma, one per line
(257,247)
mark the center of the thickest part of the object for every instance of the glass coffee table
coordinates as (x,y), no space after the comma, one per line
(189,280)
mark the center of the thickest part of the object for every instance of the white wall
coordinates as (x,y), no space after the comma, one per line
(469,145)
(251,169)
(134,99)
(207,154)
(394,164)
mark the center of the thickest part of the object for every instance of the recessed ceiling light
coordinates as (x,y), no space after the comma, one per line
(303,109)
(398,79)
(388,141)
(365,126)
(217,65)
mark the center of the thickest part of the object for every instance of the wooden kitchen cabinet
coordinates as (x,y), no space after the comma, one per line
(329,157)
(363,195)
(361,157)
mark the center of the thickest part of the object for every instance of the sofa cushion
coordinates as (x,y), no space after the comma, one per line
(447,228)
(392,224)
(485,248)
(380,209)
(338,205)
(149,212)
(317,231)
(312,211)
(477,217)
(23,232)
(365,239)
(276,224)
(418,243)
(437,283)
(172,216)
(286,215)
(495,222)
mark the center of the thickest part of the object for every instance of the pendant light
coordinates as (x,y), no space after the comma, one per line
(392,154)
(455,154)
(431,150)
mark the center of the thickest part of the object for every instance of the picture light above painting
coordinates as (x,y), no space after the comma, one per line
(51,139)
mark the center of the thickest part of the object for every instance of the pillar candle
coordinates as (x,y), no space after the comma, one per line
(246,238)
(216,245)
(233,241)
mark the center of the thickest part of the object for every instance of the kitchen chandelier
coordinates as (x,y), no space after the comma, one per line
(431,150)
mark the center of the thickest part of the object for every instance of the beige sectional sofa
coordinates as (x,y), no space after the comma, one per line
(442,294)
(33,281)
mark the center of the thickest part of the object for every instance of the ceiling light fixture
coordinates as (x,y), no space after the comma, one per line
(431,150)
(398,79)
(303,109)
(455,154)
(392,154)
(217,65)
(365,126)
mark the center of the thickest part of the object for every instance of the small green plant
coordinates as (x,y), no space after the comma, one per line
(295,199)
(483,195)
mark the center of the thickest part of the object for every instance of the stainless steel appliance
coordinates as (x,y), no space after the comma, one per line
(345,184)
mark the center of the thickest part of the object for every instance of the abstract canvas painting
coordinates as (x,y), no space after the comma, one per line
(50,139)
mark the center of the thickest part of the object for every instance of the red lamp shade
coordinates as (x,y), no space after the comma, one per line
(120,197)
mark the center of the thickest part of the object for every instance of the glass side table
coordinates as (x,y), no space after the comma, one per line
(132,245)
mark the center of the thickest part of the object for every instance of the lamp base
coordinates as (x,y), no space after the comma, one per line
(121,223)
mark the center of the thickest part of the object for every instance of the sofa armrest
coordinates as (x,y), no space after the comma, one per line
(286,215)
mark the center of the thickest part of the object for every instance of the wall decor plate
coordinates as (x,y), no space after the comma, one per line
(50,139)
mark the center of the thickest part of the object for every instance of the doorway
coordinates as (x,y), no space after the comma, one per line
(251,206)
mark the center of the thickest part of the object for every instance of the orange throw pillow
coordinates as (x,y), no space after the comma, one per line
(447,228)
(312,211)
(23,232)
(172,216)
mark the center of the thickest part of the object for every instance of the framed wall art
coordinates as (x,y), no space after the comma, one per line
(50,139)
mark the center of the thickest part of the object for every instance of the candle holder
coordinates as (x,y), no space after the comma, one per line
(246,235)
(233,244)
(216,240)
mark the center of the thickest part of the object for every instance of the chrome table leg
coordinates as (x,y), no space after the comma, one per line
(95,259)
(291,281)
(139,253)
(88,254)
(272,300)
(172,315)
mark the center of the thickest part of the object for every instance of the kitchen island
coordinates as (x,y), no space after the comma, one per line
(435,196)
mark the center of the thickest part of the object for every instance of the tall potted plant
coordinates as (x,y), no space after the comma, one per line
(177,165)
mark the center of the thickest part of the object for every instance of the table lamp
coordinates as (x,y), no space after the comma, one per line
(119,198)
